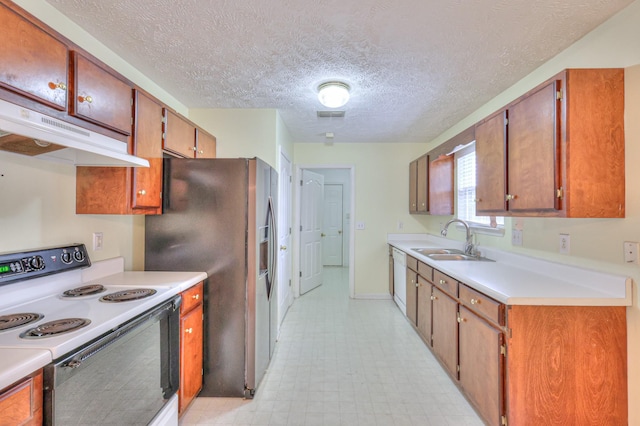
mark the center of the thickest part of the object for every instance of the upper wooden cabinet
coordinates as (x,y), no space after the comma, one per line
(34,63)
(418,185)
(100,97)
(441,185)
(183,138)
(205,144)
(556,151)
(128,190)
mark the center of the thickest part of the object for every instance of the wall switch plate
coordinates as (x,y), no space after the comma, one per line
(516,237)
(360,225)
(631,252)
(98,241)
(565,243)
(400,225)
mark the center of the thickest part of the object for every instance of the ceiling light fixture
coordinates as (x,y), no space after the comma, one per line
(333,94)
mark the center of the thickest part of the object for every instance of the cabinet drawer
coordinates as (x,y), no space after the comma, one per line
(425,271)
(412,263)
(192,297)
(445,283)
(481,304)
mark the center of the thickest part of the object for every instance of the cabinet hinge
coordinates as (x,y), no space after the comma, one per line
(459,318)
(559,192)
(506,121)
(300,274)
(503,420)
(164,136)
(289,283)
(300,227)
(458,368)
(503,350)
(164,119)
(559,95)
(300,182)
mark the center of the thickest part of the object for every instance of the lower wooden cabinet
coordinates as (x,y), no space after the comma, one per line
(481,354)
(425,289)
(412,296)
(191,346)
(445,330)
(21,403)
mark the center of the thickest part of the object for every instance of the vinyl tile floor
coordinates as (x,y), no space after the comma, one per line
(342,361)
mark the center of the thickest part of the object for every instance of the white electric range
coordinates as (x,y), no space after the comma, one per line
(97,337)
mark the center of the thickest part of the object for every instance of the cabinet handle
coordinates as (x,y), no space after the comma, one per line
(478,200)
(442,282)
(188,330)
(461,320)
(422,204)
(195,296)
(510,197)
(416,285)
(201,152)
(193,148)
(87,99)
(54,86)
(434,298)
(142,192)
(475,301)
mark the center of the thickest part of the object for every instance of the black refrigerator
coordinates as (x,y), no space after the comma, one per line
(219,216)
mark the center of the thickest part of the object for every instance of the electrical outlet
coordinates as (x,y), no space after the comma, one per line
(516,237)
(400,225)
(565,243)
(360,225)
(631,252)
(98,241)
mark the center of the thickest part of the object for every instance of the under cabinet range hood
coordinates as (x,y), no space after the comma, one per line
(27,132)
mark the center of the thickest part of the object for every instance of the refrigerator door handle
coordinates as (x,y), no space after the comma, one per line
(272,248)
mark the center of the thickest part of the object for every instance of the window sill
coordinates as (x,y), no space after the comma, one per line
(484,230)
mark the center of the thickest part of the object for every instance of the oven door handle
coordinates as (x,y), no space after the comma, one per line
(145,320)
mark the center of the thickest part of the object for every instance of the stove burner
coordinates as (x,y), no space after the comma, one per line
(128,295)
(84,290)
(7,322)
(55,327)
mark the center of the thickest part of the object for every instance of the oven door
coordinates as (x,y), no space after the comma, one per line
(124,377)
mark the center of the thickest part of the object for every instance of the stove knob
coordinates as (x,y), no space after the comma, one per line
(66,257)
(37,263)
(78,256)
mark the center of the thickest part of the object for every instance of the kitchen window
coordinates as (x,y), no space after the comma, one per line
(466,194)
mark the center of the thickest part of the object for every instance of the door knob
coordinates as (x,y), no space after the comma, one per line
(283,247)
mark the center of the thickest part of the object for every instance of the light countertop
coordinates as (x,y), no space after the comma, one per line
(522,280)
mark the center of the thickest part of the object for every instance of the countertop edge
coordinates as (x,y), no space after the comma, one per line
(19,363)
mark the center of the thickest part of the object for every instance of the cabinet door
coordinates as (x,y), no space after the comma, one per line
(441,186)
(534,152)
(191,346)
(147,182)
(412,296)
(34,64)
(482,365)
(390,271)
(491,168)
(422,187)
(22,403)
(179,135)
(445,330)
(100,97)
(413,186)
(206,144)
(424,309)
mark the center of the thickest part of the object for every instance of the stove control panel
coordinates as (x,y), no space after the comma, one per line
(37,263)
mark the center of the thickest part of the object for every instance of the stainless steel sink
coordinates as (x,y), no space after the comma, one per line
(457,256)
(430,251)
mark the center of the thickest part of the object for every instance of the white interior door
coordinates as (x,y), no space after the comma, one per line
(285,295)
(311,208)
(332,217)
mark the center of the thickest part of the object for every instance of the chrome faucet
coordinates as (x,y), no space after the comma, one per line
(468,246)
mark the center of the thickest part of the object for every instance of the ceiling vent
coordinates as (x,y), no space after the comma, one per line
(330,114)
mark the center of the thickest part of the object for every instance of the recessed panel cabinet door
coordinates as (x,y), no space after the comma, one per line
(33,63)
(422,184)
(205,144)
(491,168)
(191,344)
(424,309)
(412,296)
(534,152)
(99,97)
(481,365)
(445,330)
(147,181)
(179,135)
(413,190)
(441,185)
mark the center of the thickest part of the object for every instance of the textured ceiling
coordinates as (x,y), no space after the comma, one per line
(416,67)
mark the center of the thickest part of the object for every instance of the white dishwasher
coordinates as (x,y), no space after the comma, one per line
(400,279)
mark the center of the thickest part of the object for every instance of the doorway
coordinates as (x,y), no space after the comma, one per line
(337,220)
